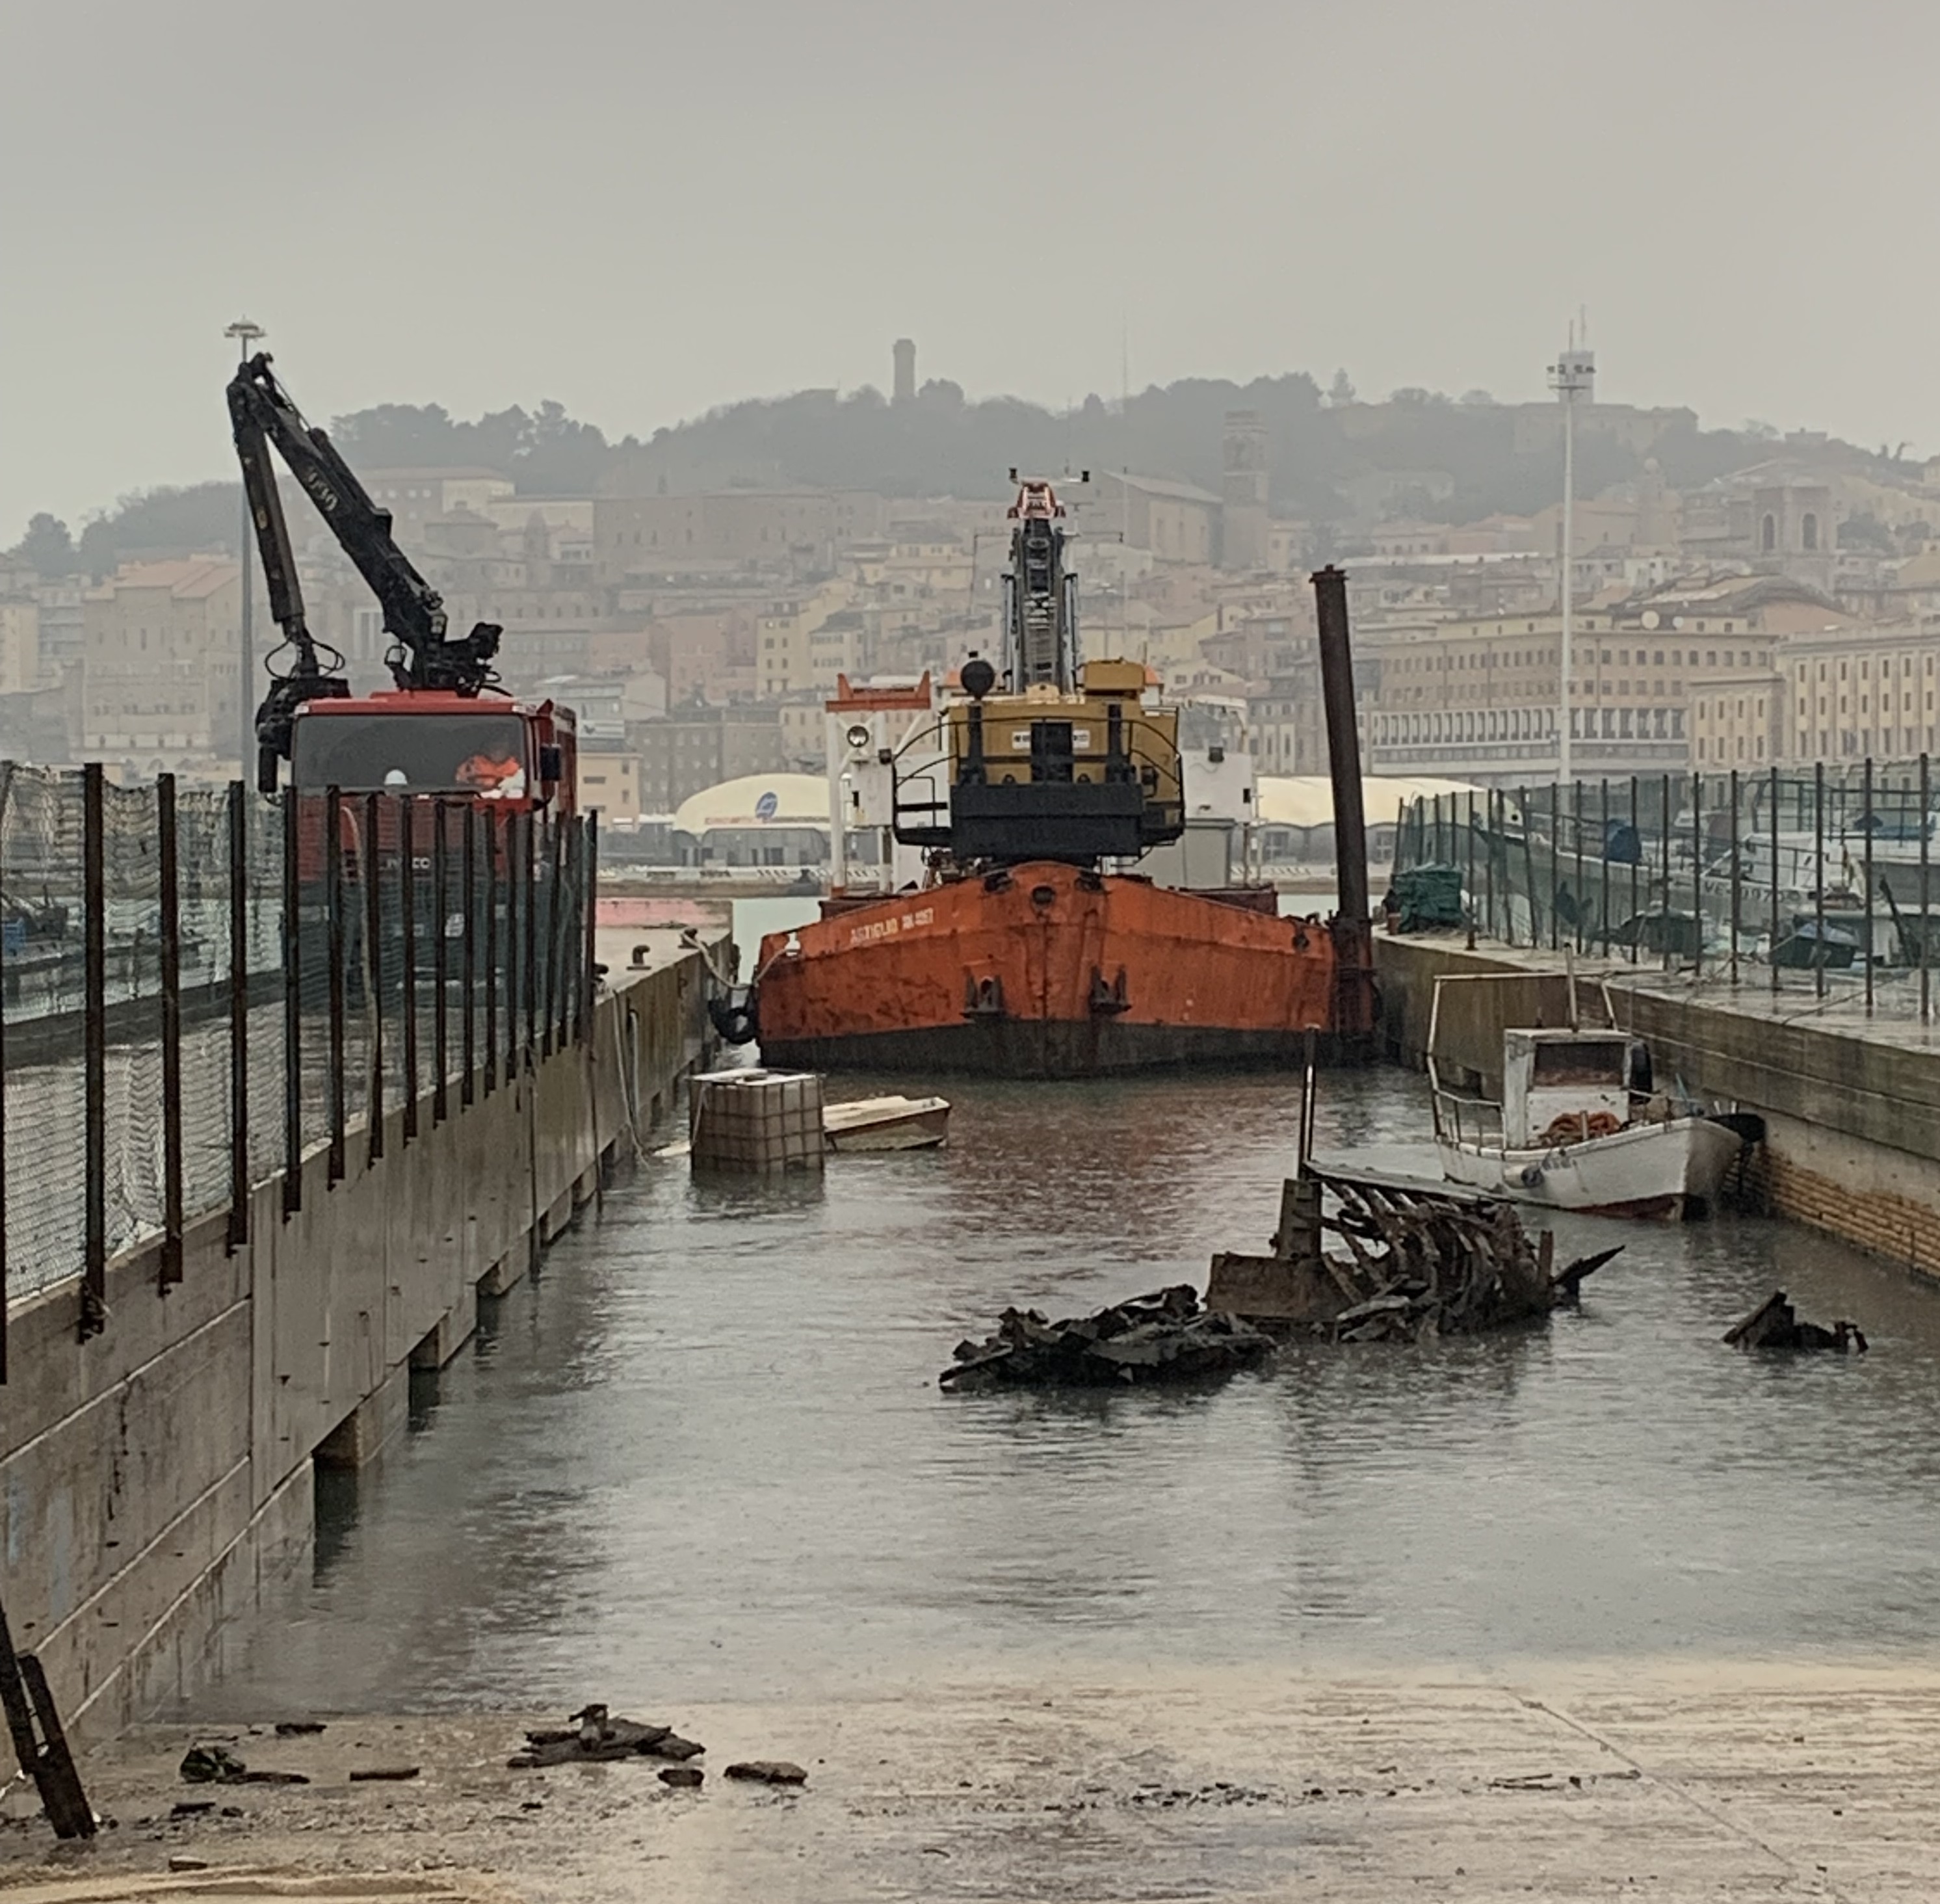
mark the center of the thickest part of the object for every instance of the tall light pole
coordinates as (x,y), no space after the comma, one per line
(1572,375)
(247,336)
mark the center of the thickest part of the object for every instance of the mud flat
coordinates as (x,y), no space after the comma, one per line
(1667,1781)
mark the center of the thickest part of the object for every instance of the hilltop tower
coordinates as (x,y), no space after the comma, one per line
(1242,492)
(903,388)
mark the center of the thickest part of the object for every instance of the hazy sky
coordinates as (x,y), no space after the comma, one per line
(645,208)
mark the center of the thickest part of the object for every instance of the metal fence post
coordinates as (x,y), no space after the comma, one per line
(375,805)
(1772,942)
(333,916)
(292,1005)
(529,866)
(1697,874)
(1529,871)
(589,900)
(1468,880)
(93,853)
(1555,867)
(1489,868)
(1926,928)
(407,909)
(1664,823)
(1636,861)
(1603,865)
(239,1015)
(1576,821)
(1819,876)
(493,832)
(1738,883)
(468,872)
(440,1044)
(169,868)
(1869,821)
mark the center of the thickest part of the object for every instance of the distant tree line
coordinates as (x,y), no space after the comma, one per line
(940,444)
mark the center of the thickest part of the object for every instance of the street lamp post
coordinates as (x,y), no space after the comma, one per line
(247,336)
(1572,375)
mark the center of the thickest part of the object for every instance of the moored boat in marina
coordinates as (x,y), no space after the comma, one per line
(1578,1126)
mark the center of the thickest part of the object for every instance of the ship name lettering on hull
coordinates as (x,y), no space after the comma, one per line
(890,928)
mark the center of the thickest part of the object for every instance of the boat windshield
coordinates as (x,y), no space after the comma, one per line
(1591,1061)
(482,754)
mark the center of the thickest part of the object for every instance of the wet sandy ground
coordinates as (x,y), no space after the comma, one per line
(1670,1782)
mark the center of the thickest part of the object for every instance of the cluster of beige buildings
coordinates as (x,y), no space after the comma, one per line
(1734,625)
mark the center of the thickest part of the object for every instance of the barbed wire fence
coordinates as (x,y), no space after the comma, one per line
(1823,880)
(200,988)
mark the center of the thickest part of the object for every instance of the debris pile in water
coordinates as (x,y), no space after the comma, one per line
(1422,1260)
(1161,1337)
(1774,1324)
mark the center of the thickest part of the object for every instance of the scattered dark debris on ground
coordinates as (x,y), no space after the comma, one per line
(216,1764)
(1774,1325)
(593,1734)
(1164,1337)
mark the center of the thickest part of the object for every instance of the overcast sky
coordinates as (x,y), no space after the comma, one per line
(645,208)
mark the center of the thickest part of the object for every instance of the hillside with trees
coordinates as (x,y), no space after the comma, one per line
(941,443)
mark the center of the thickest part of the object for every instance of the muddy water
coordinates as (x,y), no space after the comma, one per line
(706,1456)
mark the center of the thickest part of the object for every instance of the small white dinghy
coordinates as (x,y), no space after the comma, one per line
(886,1123)
(1579,1128)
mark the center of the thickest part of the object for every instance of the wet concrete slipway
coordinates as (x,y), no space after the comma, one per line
(1602,1609)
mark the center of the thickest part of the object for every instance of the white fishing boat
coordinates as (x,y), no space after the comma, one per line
(1579,1126)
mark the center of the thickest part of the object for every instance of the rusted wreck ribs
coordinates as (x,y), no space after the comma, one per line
(1421,1260)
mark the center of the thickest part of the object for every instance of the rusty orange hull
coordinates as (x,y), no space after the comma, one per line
(1045,971)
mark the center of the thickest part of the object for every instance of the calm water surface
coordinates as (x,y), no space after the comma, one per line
(706,1453)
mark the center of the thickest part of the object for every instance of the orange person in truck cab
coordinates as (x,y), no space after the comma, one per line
(493,779)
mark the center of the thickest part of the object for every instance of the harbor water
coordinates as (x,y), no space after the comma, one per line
(704,1456)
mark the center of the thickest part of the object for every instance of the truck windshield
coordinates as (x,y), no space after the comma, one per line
(482,755)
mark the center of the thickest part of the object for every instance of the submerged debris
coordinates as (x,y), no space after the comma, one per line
(1161,1338)
(593,1734)
(1422,1260)
(1774,1325)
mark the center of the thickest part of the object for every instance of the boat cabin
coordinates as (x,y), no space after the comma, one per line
(1550,1076)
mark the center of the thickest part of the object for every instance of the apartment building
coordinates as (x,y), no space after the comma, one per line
(694,747)
(159,665)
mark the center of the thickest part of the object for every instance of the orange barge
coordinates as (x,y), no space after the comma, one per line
(1047,970)
(1011,932)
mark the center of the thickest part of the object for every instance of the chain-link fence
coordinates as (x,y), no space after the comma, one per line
(199,988)
(1826,879)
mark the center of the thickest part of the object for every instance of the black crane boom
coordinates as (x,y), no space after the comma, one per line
(261,414)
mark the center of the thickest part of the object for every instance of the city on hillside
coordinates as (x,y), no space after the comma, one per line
(1736,600)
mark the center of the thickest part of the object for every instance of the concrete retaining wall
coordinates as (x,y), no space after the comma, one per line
(154,1481)
(1853,1116)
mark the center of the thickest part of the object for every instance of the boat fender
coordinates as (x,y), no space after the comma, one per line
(737,1021)
(1531,1175)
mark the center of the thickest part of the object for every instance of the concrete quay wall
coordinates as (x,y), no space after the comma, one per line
(1851,1112)
(156,1482)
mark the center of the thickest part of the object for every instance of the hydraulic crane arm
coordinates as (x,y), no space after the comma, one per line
(262,415)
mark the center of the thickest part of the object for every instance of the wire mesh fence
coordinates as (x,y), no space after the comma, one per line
(199,988)
(1825,879)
